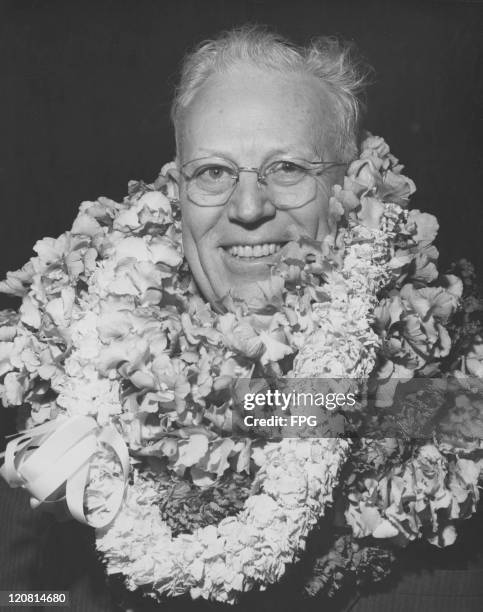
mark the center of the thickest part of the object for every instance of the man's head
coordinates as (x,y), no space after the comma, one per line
(250,101)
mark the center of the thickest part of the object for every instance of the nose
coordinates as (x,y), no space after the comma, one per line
(249,202)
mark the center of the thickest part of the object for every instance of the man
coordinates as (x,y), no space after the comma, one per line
(263,131)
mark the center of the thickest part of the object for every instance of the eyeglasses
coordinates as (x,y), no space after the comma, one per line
(289,183)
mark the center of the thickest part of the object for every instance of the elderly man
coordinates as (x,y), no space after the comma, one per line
(263,131)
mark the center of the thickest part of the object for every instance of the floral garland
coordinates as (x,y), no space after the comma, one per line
(111,328)
(294,484)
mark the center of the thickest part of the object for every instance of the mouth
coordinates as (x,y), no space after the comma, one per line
(252,261)
(254,251)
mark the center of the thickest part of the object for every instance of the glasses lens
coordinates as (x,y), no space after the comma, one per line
(209,183)
(289,184)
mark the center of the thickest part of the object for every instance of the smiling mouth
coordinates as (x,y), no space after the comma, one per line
(254,251)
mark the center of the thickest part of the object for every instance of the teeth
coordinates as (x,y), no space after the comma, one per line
(258,250)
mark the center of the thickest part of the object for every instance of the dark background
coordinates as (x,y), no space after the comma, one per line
(86,88)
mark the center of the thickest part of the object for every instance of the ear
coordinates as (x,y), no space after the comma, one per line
(171,172)
(175,175)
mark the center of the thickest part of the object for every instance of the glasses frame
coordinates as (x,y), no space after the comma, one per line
(316,168)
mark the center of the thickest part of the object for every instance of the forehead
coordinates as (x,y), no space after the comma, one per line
(250,112)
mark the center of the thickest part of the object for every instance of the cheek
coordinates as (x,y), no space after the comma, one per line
(197,224)
(313,218)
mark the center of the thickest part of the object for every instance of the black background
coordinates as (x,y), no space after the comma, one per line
(86,88)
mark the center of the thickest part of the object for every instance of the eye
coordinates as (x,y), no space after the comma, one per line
(213,174)
(286,172)
(287,167)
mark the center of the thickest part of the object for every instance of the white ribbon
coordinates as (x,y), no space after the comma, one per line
(58,453)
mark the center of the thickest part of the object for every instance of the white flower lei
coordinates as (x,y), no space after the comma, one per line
(92,294)
(253,548)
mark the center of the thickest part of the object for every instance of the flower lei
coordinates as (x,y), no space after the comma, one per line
(112,329)
(253,548)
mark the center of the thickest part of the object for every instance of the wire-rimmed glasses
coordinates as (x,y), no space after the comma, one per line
(289,183)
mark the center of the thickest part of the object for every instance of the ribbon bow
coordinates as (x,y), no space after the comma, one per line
(58,453)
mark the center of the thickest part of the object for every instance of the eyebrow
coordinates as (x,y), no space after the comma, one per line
(292,152)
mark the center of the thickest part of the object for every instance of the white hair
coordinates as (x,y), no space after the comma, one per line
(332,62)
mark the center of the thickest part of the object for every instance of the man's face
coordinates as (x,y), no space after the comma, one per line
(252,118)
